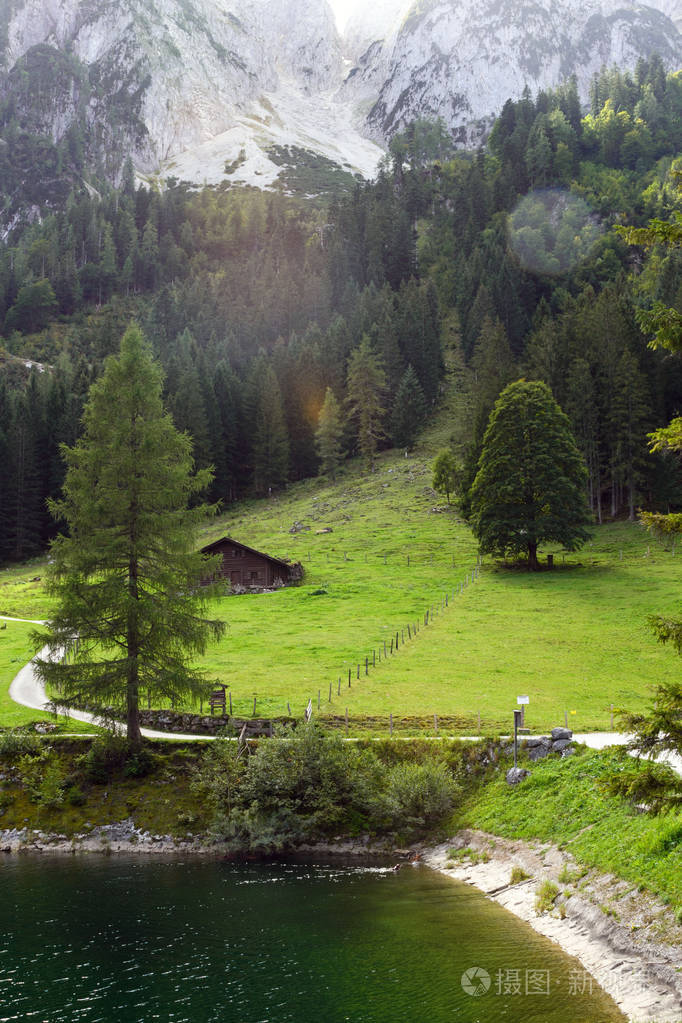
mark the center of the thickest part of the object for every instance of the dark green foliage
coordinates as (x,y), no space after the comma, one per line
(127,577)
(409,410)
(366,385)
(529,488)
(329,434)
(305,785)
(231,282)
(445,470)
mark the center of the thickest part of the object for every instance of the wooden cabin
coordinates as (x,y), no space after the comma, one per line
(244,566)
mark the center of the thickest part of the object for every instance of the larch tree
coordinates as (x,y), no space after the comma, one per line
(126,578)
(530,485)
(329,434)
(366,384)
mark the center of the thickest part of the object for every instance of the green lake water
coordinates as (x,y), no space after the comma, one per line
(121,941)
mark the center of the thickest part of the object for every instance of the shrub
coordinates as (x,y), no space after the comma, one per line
(106,756)
(420,795)
(16,743)
(518,875)
(544,900)
(75,796)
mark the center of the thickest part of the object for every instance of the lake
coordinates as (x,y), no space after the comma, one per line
(108,939)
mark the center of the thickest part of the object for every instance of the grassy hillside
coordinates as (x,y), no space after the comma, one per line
(573,640)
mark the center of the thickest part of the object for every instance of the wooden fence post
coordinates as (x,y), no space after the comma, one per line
(366,665)
(288,709)
(230,704)
(338,691)
(374,658)
(435,723)
(346,720)
(254,707)
(390,724)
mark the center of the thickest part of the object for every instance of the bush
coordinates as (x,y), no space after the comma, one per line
(17,743)
(544,900)
(75,796)
(106,756)
(518,875)
(420,795)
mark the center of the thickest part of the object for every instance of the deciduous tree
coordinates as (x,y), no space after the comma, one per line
(530,485)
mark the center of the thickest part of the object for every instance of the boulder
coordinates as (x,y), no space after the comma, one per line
(561,733)
(538,752)
(560,745)
(516,775)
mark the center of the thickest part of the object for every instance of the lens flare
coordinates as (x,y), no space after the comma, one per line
(552,231)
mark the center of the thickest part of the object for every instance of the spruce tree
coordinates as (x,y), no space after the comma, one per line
(366,384)
(126,578)
(271,443)
(329,435)
(409,410)
(530,485)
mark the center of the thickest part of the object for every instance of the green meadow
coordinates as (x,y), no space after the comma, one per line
(574,640)
(15,650)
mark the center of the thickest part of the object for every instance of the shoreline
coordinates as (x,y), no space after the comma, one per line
(638,969)
(622,949)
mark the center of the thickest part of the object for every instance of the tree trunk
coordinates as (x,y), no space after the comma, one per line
(533,557)
(133,645)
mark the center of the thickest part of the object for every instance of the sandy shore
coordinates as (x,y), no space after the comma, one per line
(629,943)
(614,931)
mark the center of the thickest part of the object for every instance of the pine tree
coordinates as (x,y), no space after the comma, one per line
(126,578)
(329,435)
(271,443)
(409,410)
(366,383)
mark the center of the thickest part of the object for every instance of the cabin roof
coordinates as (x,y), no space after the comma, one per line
(215,546)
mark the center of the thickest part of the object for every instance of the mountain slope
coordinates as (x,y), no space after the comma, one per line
(204,89)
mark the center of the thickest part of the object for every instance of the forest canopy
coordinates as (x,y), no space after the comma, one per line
(487,265)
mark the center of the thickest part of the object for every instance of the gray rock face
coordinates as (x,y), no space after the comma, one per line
(189,87)
(560,745)
(515,775)
(561,733)
(461,59)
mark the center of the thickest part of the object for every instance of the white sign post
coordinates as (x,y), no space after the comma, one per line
(523,702)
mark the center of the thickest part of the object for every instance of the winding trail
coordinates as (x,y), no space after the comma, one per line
(29,691)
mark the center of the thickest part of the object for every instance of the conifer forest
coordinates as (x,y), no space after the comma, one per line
(266,308)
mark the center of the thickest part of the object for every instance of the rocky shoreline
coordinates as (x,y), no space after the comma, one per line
(622,949)
(610,927)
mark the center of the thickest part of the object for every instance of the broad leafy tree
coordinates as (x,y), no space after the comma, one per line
(445,473)
(530,485)
(126,577)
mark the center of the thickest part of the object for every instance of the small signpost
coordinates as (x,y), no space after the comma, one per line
(517,719)
(523,702)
